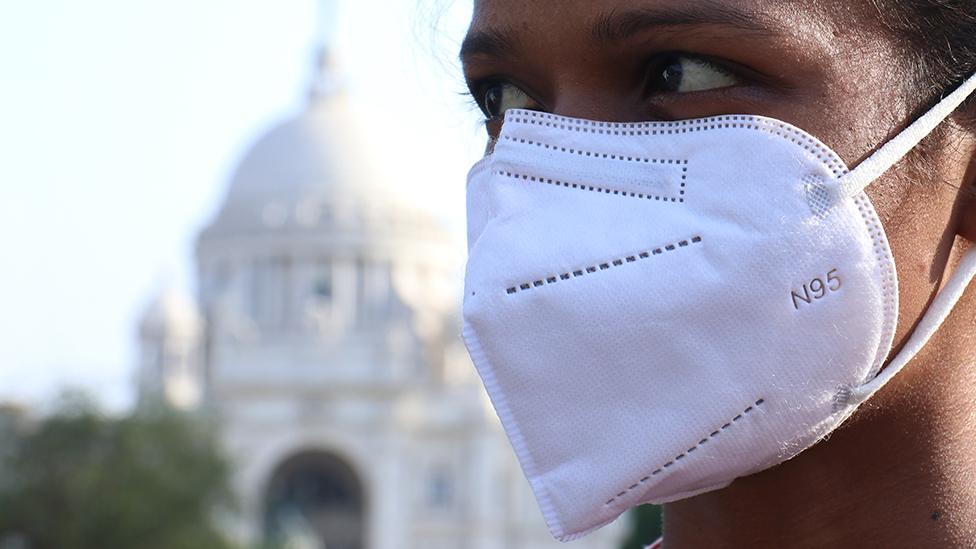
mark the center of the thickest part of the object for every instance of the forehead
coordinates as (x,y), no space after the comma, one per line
(537,20)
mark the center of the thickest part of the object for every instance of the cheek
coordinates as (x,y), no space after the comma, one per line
(917,218)
(914,209)
(493,127)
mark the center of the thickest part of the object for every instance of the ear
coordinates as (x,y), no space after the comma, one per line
(967,220)
(966,205)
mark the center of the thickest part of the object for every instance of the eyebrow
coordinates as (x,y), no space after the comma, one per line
(617,26)
(492,42)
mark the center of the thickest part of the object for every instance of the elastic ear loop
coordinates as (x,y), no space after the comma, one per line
(855,181)
(931,321)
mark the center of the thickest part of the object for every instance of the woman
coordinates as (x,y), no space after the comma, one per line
(682,313)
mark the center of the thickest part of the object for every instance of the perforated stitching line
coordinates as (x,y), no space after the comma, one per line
(596,189)
(593,154)
(578,273)
(691,450)
(684,126)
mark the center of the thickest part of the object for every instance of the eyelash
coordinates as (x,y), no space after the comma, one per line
(481,86)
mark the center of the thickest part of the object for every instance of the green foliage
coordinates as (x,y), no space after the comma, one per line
(78,480)
(645,527)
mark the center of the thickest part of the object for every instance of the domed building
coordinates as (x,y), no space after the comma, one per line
(324,338)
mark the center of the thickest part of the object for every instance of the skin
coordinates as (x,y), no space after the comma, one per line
(902,471)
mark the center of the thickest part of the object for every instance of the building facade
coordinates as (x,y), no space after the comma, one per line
(324,338)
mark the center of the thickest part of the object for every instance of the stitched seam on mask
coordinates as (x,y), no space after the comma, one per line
(667,466)
(684,126)
(888,281)
(600,267)
(592,154)
(601,190)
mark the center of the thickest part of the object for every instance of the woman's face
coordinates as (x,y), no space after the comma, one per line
(829,67)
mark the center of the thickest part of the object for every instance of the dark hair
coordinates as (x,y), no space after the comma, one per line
(941,42)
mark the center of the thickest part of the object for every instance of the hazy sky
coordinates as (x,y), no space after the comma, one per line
(121,120)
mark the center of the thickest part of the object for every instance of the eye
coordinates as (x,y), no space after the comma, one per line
(678,73)
(497,97)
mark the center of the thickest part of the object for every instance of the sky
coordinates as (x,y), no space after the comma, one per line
(121,122)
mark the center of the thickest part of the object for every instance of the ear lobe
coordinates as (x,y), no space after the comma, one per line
(966,199)
(967,213)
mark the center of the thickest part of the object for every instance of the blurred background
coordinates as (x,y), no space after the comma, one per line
(233,245)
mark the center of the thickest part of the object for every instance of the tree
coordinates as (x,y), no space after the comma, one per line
(78,480)
(645,527)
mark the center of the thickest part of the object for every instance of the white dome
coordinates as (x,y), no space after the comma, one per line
(303,174)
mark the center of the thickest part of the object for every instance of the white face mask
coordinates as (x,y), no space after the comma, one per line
(658,309)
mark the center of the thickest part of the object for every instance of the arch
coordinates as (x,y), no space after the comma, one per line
(315,498)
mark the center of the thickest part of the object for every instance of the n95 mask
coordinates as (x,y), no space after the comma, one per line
(657,309)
